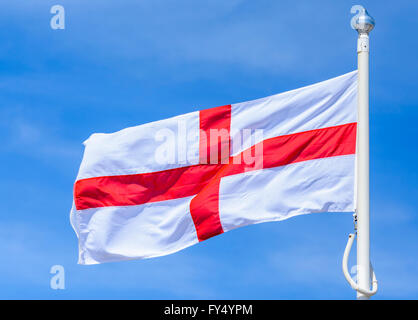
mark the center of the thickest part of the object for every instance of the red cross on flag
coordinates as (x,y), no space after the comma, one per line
(157,188)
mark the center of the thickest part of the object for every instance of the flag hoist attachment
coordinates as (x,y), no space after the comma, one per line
(350,280)
(363,23)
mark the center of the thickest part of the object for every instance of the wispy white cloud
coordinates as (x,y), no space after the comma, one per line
(23,135)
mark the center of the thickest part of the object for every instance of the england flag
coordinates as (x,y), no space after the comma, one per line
(154,189)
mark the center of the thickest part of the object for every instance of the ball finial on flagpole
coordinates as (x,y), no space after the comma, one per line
(363,22)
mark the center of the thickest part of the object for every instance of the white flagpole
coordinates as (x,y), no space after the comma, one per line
(363,23)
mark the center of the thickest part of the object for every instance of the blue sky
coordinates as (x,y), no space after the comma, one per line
(119,64)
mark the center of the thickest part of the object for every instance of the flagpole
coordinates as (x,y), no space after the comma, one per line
(363,23)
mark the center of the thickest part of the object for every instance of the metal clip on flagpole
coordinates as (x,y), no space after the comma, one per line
(363,23)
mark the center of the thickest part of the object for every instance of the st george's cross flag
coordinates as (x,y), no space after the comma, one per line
(157,188)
